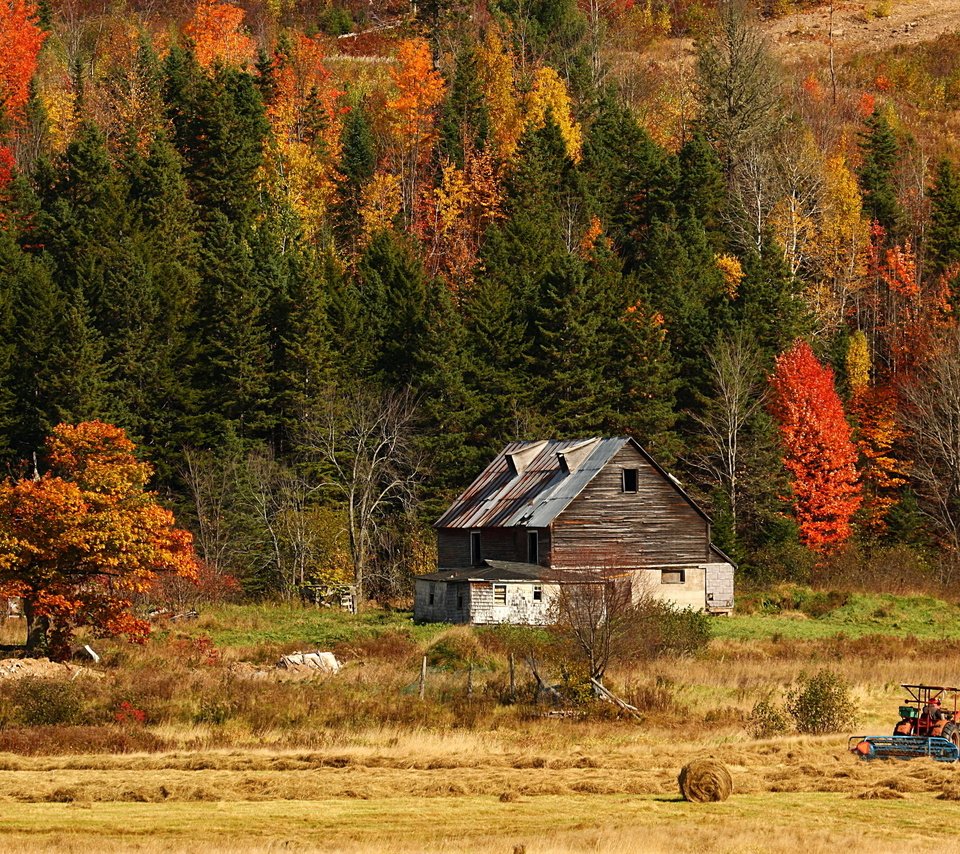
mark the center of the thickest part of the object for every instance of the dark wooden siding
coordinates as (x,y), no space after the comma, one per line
(604,526)
(446,595)
(453,546)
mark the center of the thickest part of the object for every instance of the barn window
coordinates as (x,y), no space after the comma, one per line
(499,594)
(630,480)
(533,546)
(673,576)
(476,556)
(537,593)
(432,592)
(459,601)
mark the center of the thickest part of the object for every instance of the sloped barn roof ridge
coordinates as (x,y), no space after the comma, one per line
(533,497)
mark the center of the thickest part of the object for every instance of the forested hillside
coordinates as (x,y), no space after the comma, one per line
(320,260)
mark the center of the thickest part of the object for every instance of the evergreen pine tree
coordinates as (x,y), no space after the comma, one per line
(394,288)
(769,306)
(465,123)
(680,279)
(629,176)
(358,162)
(877,172)
(701,188)
(219,128)
(571,349)
(235,357)
(943,232)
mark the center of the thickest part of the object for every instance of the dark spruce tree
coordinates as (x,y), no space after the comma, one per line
(877,173)
(465,124)
(234,364)
(630,178)
(394,289)
(942,238)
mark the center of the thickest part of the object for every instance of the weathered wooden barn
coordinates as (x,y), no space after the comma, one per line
(546,510)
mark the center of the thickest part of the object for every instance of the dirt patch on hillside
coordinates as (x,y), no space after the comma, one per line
(858,27)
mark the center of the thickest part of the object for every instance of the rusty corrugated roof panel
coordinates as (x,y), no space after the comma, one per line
(503,496)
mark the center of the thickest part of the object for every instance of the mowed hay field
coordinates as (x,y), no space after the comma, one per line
(234,756)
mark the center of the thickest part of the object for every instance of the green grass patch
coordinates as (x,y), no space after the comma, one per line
(252,625)
(860,614)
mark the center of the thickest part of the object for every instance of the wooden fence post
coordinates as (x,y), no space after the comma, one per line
(470,679)
(423,677)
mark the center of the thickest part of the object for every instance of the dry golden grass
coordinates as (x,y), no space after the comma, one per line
(534,824)
(357,763)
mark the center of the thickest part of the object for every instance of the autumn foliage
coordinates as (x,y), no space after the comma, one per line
(218,34)
(77,543)
(818,450)
(20,43)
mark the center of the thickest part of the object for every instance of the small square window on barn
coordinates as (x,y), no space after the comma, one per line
(673,576)
(499,594)
(476,556)
(630,480)
(430,598)
(537,593)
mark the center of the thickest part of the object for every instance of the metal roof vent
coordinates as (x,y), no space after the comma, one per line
(576,455)
(521,458)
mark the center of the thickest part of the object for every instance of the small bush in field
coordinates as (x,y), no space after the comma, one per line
(46,702)
(664,629)
(211,711)
(821,703)
(767,719)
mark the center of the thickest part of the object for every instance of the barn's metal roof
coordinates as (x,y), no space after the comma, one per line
(526,484)
(531,483)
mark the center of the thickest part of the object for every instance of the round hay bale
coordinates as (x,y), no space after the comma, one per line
(705,780)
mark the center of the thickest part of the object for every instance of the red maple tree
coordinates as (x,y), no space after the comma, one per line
(79,542)
(818,450)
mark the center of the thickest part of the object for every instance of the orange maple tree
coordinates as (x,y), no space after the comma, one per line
(419,91)
(218,34)
(20,43)
(77,543)
(819,453)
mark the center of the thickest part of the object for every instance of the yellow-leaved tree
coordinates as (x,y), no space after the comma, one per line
(549,94)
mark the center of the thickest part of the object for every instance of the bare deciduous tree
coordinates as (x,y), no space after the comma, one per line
(739,83)
(212,481)
(597,613)
(932,421)
(364,443)
(279,499)
(735,367)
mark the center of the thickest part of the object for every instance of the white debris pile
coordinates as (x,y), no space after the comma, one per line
(42,668)
(324,662)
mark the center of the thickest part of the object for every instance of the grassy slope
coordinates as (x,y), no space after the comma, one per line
(246,626)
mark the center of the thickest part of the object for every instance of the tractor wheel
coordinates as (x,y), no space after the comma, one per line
(905,727)
(951,732)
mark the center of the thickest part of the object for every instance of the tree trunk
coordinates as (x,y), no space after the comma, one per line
(38,628)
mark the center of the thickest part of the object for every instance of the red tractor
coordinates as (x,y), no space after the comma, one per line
(924,713)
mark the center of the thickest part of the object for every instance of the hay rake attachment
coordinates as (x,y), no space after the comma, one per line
(903,747)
